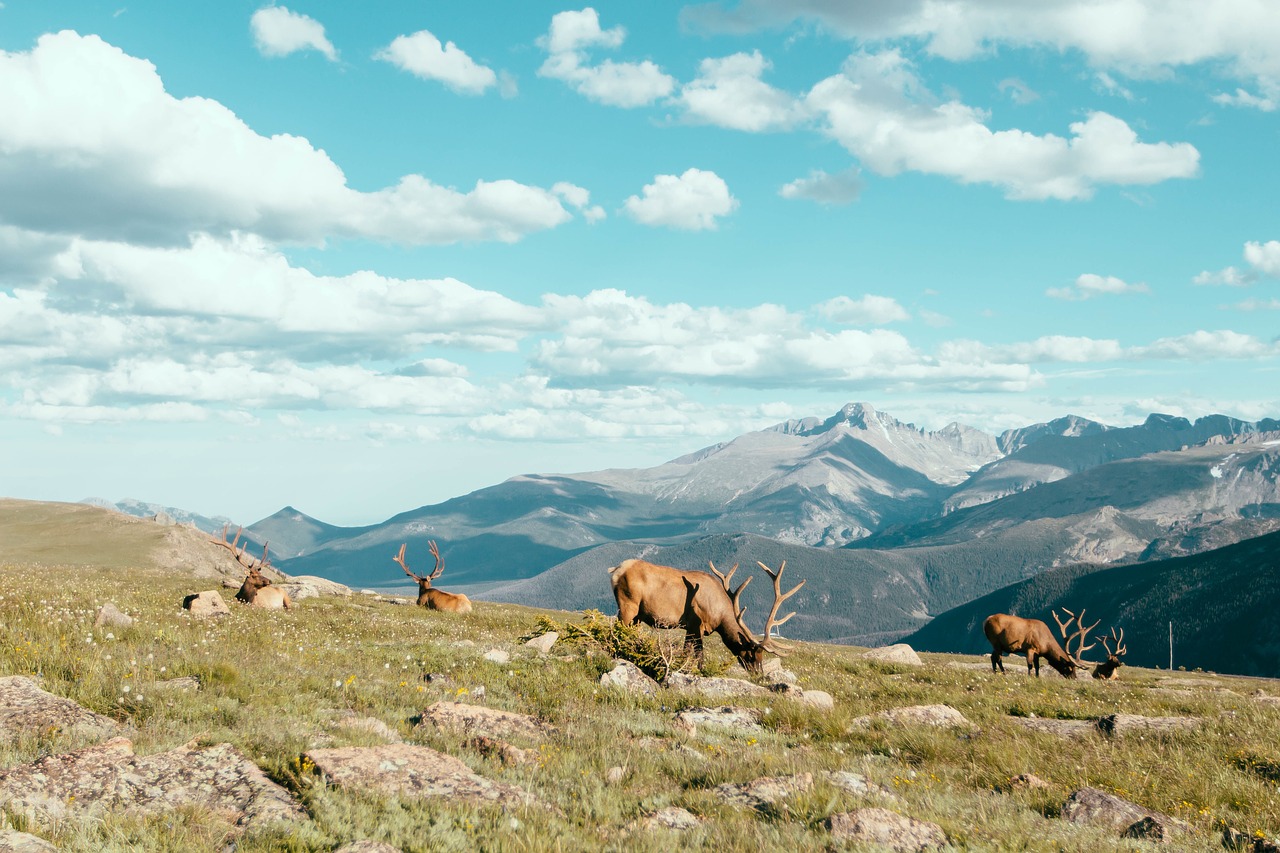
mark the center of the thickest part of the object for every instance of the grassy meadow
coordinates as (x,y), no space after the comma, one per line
(276,684)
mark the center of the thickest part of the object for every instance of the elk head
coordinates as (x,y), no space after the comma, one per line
(751,651)
(1110,669)
(254,581)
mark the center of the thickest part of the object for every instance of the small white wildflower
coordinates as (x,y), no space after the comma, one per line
(106,657)
(111,636)
(126,688)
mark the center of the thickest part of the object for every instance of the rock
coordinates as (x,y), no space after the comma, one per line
(778,675)
(822,700)
(497,656)
(207,603)
(299,591)
(182,683)
(856,783)
(615,775)
(1232,839)
(110,616)
(1061,728)
(735,719)
(542,645)
(783,688)
(628,676)
(1267,699)
(1098,808)
(762,793)
(372,725)
(25,709)
(412,772)
(368,847)
(715,687)
(943,716)
(482,720)
(888,829)
(1027,782)
(12,841)
(506,753)
(672,817)
(109,778)
(323,586)
(898,653)
(1124,724)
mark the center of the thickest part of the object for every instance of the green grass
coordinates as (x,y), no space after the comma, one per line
(274,684)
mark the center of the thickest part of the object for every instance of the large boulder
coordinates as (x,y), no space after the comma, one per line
(483,720)
(207,603)
(412,772)
(889,830)
(25,709)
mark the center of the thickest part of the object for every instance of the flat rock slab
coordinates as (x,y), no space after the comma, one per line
(856,783)
(943,716)
(718,688)
(413,772)
(204,604)
(726,717)
(483,720)
(898,653)
(762,793)
(1125,724)
(109,777)
(1061,728)
(25,709)
(12,841)
(1098,808)
(629,677)
(890,830)
(671,817)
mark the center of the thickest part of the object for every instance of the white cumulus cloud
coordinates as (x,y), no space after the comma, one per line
(1089,285)
(278,31)
(1263,261)
(618,84)
(692,201)
(870,310)
(730,93)
(841,188)
(422,55)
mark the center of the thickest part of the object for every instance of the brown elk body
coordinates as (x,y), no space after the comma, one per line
(257,589)
(428,596)
(699,603)
(1013,634)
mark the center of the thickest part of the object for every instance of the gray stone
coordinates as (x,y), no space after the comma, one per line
(542,644)
(615,775)
(1027,782)
(899,653)
(368,847)
(371,725)
(182,684)
(726,717)
(110,778)
(671,817)
(819,699)
(943,716)
(628,676)
(762,793)
(299,591)
(110,616)
(856,783)
(491,747)
(888,829)
(1125,724)
(12,841)
(323,586)
(412,772)
(1060,728)
(497,656)
(1098,808)
(715,687)
(482,720)
(207,603)
(25,709)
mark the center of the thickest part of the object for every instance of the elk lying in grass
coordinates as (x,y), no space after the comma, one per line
(1033,638)
(700,603)
(1110,669)
(256,589)
(429,596)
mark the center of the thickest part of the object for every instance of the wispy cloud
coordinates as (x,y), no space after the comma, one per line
(1089,285)
(277,31)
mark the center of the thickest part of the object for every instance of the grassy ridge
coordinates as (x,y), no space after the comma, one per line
(275,684)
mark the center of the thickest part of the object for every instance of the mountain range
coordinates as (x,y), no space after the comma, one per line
(890,524)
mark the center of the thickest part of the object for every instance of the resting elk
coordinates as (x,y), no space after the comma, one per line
(700,603)
(256,589)
(1033,638)
(1110,669)
(429,596)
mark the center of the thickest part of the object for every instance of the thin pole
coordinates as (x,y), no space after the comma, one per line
(1171,647)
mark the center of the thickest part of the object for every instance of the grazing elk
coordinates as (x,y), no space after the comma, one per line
(256,589)
(1034,639)
(1110,669)
(429,596)
(666,597)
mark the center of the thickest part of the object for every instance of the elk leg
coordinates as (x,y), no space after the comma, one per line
(627,612)
(1032,657)
(693,646)
(996,661)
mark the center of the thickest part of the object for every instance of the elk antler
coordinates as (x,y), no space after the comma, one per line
(773,622)
(1120,647)
(399,558)
(239,553)
(1079,635)
(735,595)
(435,552)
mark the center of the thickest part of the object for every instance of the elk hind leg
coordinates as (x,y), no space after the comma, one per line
(997,662)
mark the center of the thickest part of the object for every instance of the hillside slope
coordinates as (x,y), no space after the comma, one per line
(1222,606)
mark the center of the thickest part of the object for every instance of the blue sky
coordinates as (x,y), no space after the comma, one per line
(358,258)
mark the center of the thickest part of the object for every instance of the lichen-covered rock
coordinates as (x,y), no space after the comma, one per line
(110,778)
(110,616)
(323,586)
(542,644)
(205,604)
(182,684)
(628,676)
(726,717)
(1027,782)
(888,829)
(943,716)
(370,725)
(671,817)
(714,687)
(1098,808)
(856,783)
(819,699)
(12,841)
(368,847)
(1060,728)
(498,656)
(1119,725)
(765,792)
(491,747)
(483,720)
(25,709)
(897,653)
(412,772)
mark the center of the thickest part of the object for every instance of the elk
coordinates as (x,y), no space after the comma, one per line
(1032,637)
(700,603)
(429,596)
(1110,669)
(256,589)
